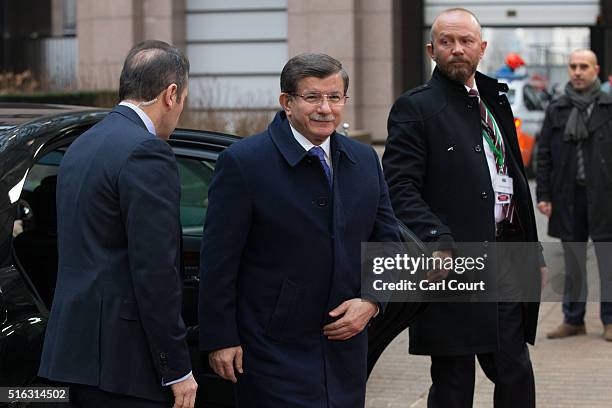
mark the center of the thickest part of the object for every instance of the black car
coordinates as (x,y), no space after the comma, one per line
(33,139)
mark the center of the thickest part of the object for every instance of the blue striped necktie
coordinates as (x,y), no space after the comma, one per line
(318,152)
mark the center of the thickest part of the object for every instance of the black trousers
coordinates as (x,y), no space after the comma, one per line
(575,254)
(86,396)
(509,369)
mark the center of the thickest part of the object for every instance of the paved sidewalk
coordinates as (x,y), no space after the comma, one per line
(574,372)
(570,373)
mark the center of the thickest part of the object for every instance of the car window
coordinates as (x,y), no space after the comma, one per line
(533,98)
(45,167)
(195,177)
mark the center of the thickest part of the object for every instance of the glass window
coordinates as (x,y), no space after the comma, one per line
(534,98)
(195,178)
(47,166)
(69,17)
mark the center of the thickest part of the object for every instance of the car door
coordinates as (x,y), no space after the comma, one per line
(23,314)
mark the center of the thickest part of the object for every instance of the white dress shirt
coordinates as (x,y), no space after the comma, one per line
(307,145)
(143,116)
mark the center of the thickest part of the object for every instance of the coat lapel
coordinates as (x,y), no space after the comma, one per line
(281,135)
(499,105)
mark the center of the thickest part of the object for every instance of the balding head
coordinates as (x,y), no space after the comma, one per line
(582,69)
(149,68)
(586,54)
(456,44)
(455,15)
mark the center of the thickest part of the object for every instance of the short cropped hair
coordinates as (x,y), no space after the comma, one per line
(450,11)
(149,68)
(306,65)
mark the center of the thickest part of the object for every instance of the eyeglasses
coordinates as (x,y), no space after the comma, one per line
(317,99)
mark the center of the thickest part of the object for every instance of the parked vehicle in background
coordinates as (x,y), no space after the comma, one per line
(528,104)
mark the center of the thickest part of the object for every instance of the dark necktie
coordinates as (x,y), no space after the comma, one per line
(491,132)
(495,141)
(318,152)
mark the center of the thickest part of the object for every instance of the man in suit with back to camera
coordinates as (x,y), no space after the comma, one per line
(450,143)
(115,333)
(574,189)
(282,312)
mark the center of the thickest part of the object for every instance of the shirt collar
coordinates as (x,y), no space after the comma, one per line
(467,88)
(307,144)
(142,115)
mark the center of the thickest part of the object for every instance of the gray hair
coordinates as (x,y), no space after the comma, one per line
(306,65)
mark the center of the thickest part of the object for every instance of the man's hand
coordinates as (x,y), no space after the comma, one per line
(436,275)
(185,393)
(545,208)
(224,361)
(357,313)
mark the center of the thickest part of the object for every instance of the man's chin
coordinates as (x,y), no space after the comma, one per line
(459,75)
(323,129)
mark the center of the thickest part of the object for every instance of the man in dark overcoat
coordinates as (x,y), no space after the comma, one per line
(282,312)
(574,175)
(450,141)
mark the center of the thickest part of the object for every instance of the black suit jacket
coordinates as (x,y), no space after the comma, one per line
(440,187)
(116,319)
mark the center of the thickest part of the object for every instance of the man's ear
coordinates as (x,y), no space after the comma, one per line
(170,95)
(483,47)
(285,102)
(430,50)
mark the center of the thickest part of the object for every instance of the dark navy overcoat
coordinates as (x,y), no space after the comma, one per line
(280,251)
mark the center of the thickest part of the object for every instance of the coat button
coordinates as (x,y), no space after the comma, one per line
(433,231)
(322,201)
(484,195)
(485,244)
(477,148)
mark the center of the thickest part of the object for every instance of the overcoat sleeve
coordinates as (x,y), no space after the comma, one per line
(149,197)
(544,159)
(405,164)
(226,230)
(385,230)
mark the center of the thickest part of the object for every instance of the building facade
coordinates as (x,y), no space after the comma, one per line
(237,48)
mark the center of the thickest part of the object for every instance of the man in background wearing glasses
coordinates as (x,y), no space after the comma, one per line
(281,309)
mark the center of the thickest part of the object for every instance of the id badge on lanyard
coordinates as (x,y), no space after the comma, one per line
(502,185)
